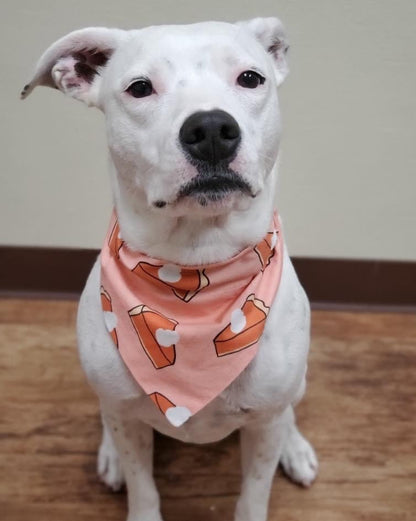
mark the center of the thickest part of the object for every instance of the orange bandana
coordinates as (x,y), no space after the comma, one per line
(185,333)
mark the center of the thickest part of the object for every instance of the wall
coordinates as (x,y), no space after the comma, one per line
(347,177)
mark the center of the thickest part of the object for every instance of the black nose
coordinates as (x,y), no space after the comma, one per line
(211,136)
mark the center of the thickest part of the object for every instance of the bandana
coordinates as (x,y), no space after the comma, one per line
(186,332)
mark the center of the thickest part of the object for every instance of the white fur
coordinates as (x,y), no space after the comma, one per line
(192,68)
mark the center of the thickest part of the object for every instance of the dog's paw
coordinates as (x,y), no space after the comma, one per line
(298,459)
(109,466)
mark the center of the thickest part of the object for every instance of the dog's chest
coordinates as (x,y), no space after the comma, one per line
(241,403)
(214,422)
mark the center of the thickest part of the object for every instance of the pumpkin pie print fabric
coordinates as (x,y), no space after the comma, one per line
(185,333)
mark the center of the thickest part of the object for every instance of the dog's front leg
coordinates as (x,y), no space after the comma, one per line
(134,442)
(261,446)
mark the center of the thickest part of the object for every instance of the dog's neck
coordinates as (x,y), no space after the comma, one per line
(191,240)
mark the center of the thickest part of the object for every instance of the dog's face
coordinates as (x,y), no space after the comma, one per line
(192,111)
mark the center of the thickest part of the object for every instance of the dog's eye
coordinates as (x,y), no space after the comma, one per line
(140,88)
(250,79)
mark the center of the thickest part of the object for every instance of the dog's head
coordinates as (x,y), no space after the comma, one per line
(192,112)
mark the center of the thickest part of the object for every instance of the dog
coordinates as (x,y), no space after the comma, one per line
(193,126)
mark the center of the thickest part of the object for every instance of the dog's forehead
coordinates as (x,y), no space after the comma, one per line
(196,44)
(190,36)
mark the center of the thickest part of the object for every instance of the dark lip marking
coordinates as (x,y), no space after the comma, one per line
(214,184)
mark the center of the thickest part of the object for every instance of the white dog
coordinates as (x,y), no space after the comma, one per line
(185,103)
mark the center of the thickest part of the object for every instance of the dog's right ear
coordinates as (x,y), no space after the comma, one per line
(270,33)
(74,63)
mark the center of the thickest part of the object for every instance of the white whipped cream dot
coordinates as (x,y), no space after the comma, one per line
(166,337)
(238,321)
(110,320)
(170,273)
(177,416)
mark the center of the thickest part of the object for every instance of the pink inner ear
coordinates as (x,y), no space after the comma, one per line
(68,79)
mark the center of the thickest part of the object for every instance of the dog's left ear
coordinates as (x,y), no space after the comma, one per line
(272,36)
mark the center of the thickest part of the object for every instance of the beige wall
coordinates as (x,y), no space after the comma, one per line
(347,177)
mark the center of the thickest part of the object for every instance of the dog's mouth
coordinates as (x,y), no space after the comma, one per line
(214,186)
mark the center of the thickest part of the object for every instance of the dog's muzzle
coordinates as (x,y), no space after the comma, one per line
(210,137)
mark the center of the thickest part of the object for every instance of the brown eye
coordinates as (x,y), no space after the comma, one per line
(250,79)
(140,88)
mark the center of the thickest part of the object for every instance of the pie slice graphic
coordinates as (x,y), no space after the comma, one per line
(245,328)
(265,249)
(194,282)
(109,317)
(114,241)
(185,283)
(157,335)
(161,402)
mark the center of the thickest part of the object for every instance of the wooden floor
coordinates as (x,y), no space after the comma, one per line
(359,412)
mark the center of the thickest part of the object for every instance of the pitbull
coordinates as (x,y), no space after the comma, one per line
(184,101)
